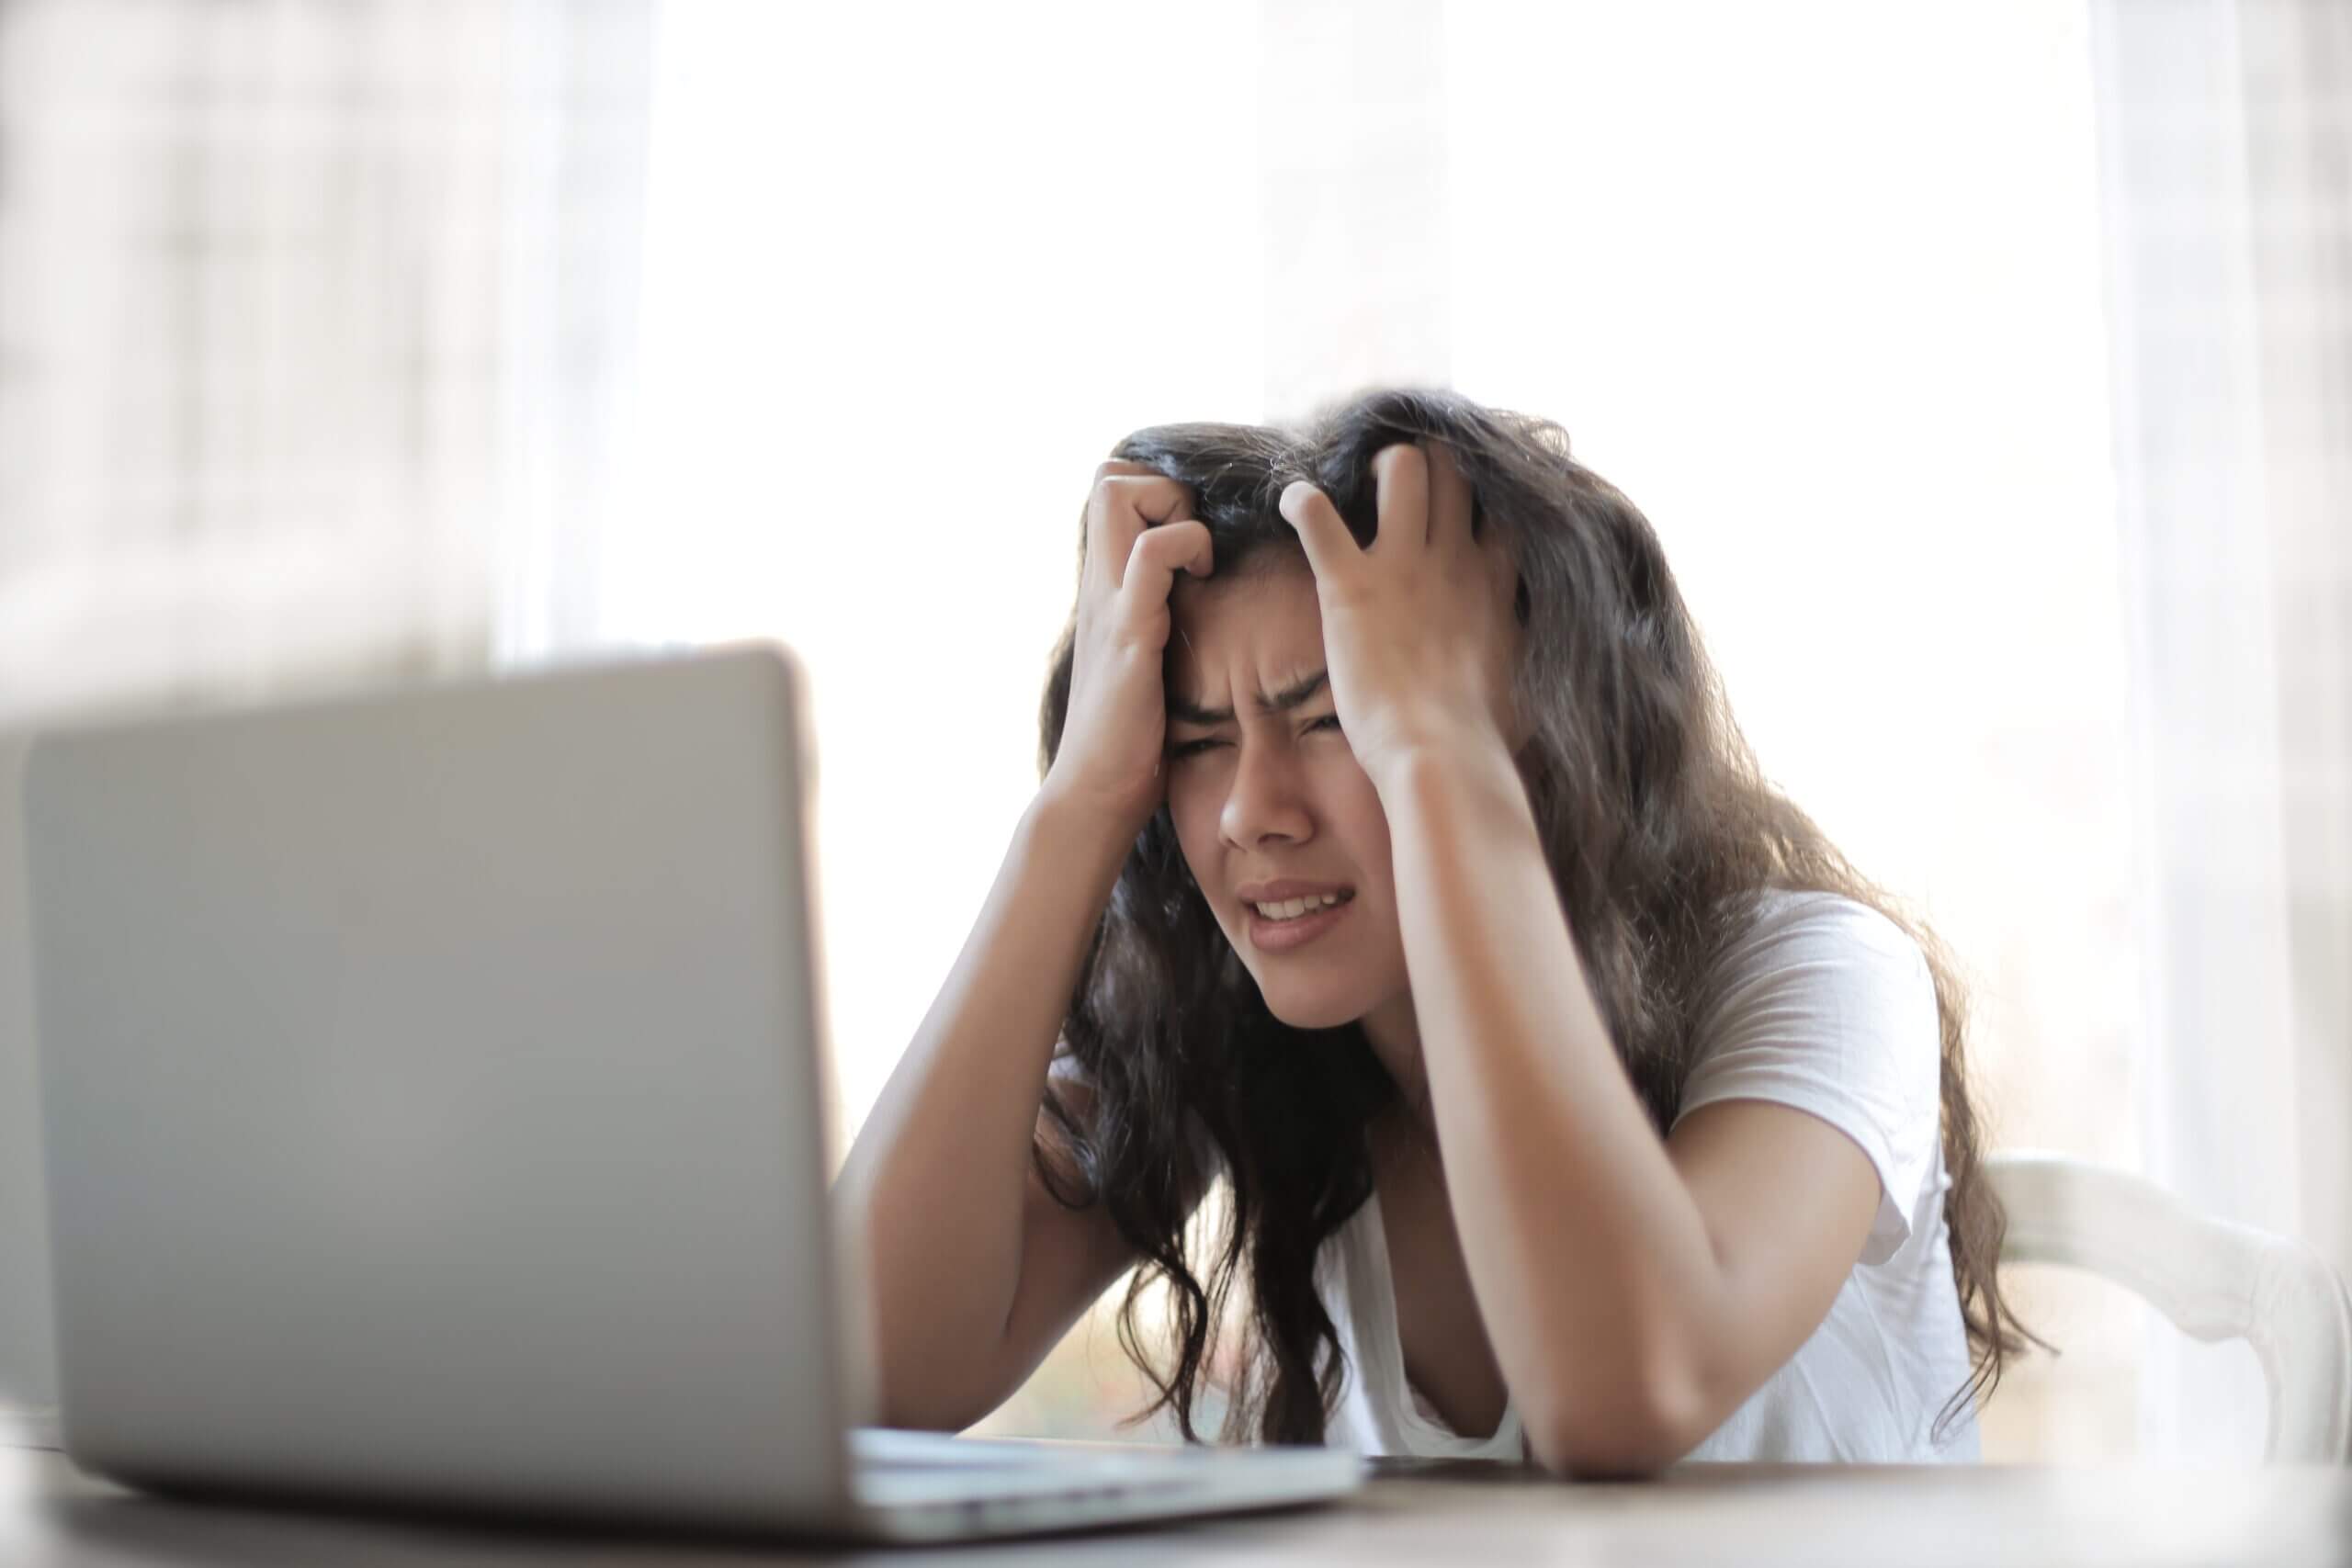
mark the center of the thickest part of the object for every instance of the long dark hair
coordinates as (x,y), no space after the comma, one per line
(1659,831)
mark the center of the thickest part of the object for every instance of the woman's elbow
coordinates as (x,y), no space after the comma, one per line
(1621,1453)
(1609,1457)
(1631,1439)
(936,1394)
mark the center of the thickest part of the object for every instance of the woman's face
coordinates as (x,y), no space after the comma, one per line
(1272,803)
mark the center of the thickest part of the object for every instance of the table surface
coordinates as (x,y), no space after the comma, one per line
(53,1516)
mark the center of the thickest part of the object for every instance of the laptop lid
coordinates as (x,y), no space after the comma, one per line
(433,1100)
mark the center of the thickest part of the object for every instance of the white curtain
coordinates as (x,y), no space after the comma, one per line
(2226,134)
(313,316)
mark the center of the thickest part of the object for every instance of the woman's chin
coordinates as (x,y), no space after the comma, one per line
(1312,1012)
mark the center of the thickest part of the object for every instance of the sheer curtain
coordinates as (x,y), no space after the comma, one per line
(2226,134)
(312,317)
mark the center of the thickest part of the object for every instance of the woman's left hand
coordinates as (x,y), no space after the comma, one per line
(1420,632)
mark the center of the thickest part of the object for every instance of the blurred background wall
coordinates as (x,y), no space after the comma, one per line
(1982,367)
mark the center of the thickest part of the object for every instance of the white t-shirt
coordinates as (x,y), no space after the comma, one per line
(1825,1005)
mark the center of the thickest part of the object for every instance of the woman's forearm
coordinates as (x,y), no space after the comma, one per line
(935,1180)
(1587,1252)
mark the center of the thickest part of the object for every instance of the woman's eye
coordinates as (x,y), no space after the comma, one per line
(1180,749)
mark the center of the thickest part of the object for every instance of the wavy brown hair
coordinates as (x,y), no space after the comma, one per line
(1659,831)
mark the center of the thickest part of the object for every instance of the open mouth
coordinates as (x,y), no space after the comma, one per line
(1299,908)
(1294,923)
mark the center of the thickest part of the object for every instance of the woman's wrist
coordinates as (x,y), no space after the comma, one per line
(1079,832)
(1449,757)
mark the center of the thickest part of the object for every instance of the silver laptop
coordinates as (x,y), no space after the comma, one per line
(433,1088)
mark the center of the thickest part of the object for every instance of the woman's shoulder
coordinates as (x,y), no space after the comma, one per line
(1808,952)
(1776,924)
(1827,1004)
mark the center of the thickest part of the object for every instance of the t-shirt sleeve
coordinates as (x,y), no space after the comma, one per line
(1828,1005)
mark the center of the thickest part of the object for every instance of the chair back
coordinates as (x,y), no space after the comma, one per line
(2212,1279)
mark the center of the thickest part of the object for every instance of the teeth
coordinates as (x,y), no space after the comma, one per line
(1291,909)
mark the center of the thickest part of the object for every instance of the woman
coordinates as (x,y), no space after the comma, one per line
(1397,859)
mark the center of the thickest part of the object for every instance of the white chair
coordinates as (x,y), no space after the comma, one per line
(2211,1279)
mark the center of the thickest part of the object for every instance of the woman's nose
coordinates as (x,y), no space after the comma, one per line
(1265,801)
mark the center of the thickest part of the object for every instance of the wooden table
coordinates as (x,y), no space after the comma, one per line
(52,1515)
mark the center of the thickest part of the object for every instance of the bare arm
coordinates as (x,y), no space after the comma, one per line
(1637,1291)
(976,1269)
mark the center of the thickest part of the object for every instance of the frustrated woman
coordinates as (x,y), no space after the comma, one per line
(1398,863)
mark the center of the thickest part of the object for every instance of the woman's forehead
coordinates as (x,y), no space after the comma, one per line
(1261,631)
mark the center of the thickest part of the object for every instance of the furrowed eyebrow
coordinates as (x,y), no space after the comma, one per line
(1295,695)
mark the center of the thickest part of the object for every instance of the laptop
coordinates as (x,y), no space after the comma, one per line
(434,1086)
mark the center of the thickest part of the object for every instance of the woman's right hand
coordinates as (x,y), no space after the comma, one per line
(1140,532)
